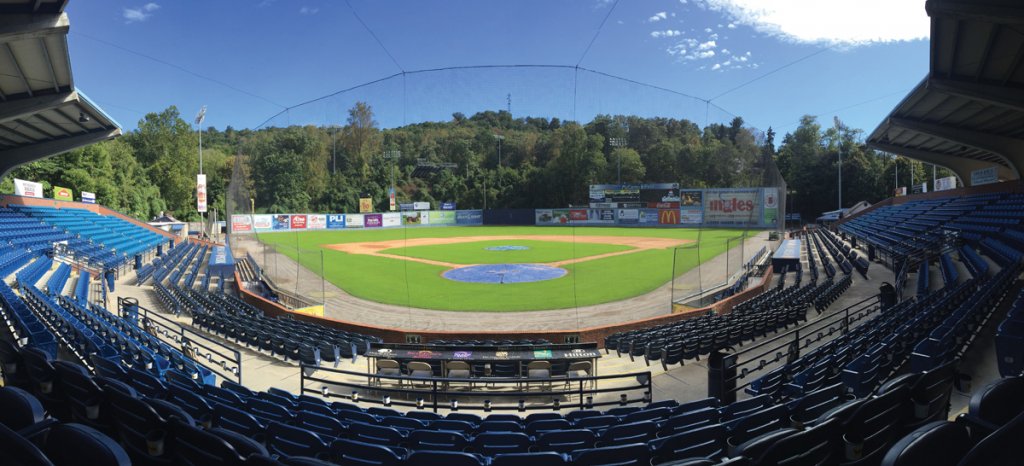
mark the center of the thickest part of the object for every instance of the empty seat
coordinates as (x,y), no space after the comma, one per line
(620,455)
(565,441)
(347,451)
(447,458)
(76,444)
(546,458)
(939,443)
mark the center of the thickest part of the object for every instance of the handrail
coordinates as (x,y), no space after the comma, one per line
(190,341)
(726,370)
(438,388)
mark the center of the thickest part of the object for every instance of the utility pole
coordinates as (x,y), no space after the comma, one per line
(201,206)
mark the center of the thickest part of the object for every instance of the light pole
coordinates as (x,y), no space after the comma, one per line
(839,152)
(499,138)
(201,207)
(391,155)
(617,143)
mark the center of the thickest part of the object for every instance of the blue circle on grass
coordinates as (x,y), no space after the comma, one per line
(505,273)
(507,248)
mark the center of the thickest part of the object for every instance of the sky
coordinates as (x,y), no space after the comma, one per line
(254,62)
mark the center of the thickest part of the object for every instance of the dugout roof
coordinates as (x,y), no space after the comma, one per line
(968,113)
(41,112)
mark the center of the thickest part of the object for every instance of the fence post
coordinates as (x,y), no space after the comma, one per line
(581,394)
(433,394)
(722,376)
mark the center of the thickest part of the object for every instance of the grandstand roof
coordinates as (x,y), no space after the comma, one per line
(968,113)
(41,112)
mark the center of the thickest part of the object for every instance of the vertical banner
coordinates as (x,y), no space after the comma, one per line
(365,205)
(62,194)
(391,199)
(201,193)
(88,198)
(771,206)
(27,188)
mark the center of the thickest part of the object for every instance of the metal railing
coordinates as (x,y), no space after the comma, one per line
(211,354)
(436,393)
(726,371)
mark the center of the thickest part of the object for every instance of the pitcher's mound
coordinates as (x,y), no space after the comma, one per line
(505,273)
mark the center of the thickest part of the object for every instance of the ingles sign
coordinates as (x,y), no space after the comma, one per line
(732,206)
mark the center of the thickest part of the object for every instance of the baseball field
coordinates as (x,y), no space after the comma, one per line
(407,266)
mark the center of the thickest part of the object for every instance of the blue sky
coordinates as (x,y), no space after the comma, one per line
(249,60)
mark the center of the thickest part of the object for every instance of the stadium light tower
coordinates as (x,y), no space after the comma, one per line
(617,143)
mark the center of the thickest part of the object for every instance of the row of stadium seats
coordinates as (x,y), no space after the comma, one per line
(157,420)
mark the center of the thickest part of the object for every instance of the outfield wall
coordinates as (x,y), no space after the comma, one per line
(267,223)
(589,334)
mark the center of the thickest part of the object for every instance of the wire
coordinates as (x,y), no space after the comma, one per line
(776,70)
(372,34)
(178,67)
(905,91)
(596,33)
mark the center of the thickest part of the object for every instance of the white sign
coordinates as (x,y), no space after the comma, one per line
(263,222)
(27,188)
(691,216)
(392,220)
(316,222)
(353,220)
(420,206)
(945,184)
(88,198)
(201,193)
(984,176)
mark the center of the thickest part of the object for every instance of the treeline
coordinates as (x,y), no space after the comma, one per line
(495,161)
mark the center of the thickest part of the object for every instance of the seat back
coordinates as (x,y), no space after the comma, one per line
(194,446)
(492,443)
(19,409)
(936,443)
(620,455)
(814,446)
(1000,448)
(353,452)
(998,402)
(75,444)
(565,441)
(442,440)
(707,441)
(546,458)
(19,451)
(447,458)
(288,440)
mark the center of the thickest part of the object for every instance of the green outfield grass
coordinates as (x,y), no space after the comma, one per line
(476,252)
(409,283)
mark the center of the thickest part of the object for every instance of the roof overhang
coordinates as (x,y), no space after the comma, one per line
(41,112)
(968,113)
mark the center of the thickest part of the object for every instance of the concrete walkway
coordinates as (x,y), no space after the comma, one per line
(343,306)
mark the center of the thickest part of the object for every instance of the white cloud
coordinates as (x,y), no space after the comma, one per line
(665,33)
(725,51)
(142,13)
(713,37)
(707,45)
(716,67)
(849,22)
(707,29)
(658,17)
(683,2)
(308,10)
(706,54)
(731,26)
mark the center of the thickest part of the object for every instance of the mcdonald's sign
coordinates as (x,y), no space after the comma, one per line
(668,216)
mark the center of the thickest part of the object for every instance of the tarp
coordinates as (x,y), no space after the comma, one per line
(221,262)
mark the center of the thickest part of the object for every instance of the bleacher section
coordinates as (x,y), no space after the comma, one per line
(104,242)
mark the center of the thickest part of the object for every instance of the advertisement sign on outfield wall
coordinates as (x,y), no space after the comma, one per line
(316,222)
(391,220)
(335,221)
(88,198)
(262,222)
(647,217)
(629,216)
(282,222)
(771,205)
(353,220)
(732,206)
(442,217)
(601,216)
(373,220)
(691,216)
(691,199)
(365,204)
(241,223)
(411,218)
(469,217)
